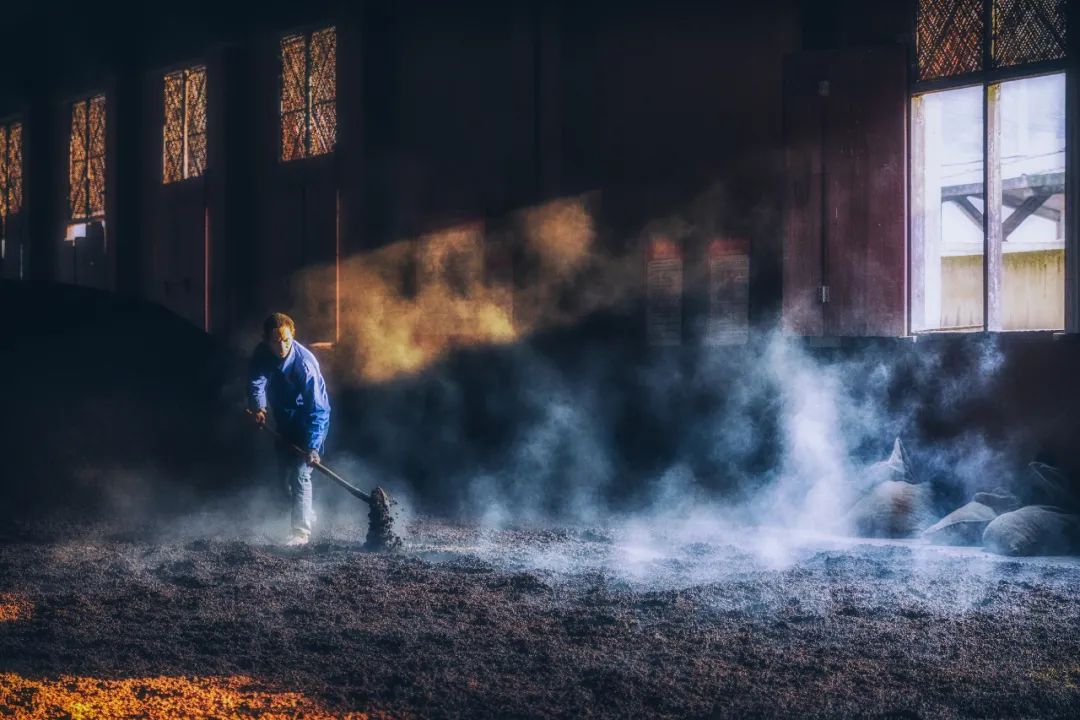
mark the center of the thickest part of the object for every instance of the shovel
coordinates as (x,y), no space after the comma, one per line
(380,533)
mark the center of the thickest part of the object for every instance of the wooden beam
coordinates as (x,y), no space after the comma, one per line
(1022,213)
(969,209)
(1048,182)
(1012,200)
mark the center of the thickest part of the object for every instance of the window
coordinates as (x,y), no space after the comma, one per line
(308,94)
(86,161)
(1026,31)
(947,206)
(184,131)
(952,37)
(11,193)
(11,189)
(949,37)
(988,166)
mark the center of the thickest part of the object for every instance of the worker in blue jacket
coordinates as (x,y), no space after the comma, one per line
(285,376)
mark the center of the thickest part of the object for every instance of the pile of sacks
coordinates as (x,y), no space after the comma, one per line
(893,503)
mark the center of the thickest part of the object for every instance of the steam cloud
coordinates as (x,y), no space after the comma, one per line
(767,434)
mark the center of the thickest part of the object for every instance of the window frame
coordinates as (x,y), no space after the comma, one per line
(6,126)
(184,69)
(986,78)
(89,217)
(306,32)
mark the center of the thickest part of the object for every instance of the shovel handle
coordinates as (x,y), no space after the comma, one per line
(352,489)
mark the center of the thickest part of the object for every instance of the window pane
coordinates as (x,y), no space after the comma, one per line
(196,100)
(294,106)
(308,94)
(173,161)
(173,144)
(3,171)
(324,66)
(14,168)
(196,121)
(96,182)
(196,155)
(96,121)
(293,72)
(947,207)
(323,110)
(14,150)
(1028,31)
(323,128)
(77,190)
(77,162)
(78,131)
(293,134)
(949,37)
(95,171)
(1033,203)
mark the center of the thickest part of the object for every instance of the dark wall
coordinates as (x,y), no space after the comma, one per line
(461,119)
(451,112)
(664,105)
(447,112)
(832,24)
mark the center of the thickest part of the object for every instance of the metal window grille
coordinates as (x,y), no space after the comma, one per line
(184,133)
(11,190)
(308,94)
(1028,31)
(86,165)
(952,37)
(86,159)
(949,38)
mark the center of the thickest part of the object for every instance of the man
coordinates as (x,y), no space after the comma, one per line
(285,375)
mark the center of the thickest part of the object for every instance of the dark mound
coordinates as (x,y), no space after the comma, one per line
(111,400)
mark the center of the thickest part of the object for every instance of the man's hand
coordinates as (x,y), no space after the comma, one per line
(260,417)
(313,457)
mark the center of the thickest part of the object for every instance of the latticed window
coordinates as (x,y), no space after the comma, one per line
(308,94)
(953,38)
(86,160)
(1028,31)
(11,186)
(949,37)
(184,133)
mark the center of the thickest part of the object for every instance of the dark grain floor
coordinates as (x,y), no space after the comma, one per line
(554,623)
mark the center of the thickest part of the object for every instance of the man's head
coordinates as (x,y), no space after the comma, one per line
(278,333)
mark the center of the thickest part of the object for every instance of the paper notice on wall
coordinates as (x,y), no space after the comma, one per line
(663,290)
(728,321)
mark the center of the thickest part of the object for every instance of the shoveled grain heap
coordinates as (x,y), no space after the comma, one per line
(380,534)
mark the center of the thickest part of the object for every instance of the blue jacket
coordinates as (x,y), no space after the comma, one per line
(296,392)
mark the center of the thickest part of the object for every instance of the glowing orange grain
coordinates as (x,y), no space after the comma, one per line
(14,607)
(156,698)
